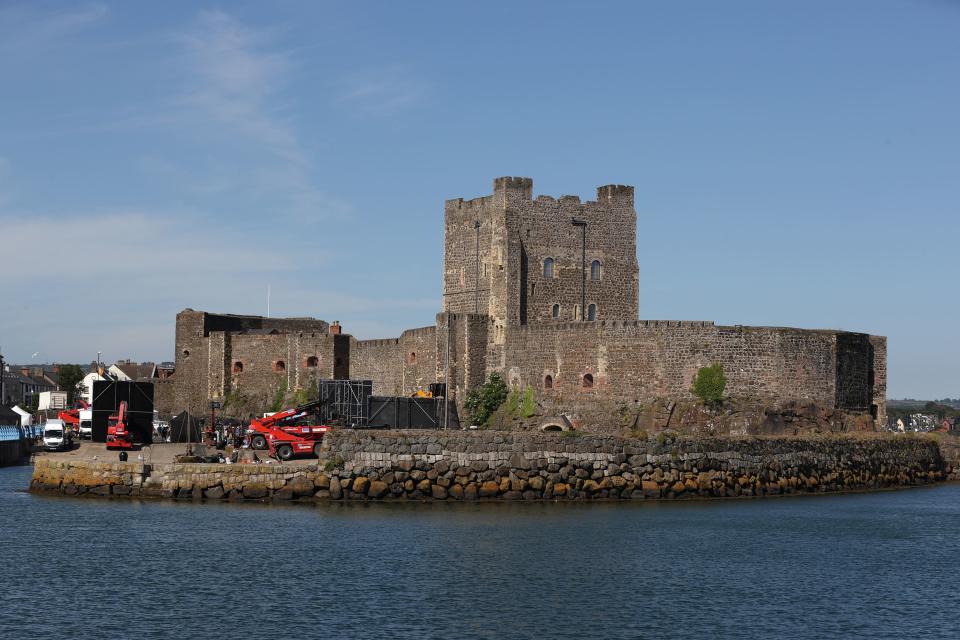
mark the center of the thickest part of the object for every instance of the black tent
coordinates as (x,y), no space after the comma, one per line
(9,417)
(185,428)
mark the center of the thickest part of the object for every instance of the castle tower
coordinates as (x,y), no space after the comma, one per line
(522,260)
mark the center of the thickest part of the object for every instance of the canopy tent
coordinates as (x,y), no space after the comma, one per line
(185,428)
(26,418)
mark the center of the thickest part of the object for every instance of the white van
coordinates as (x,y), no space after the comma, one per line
(86,423)
(55,436)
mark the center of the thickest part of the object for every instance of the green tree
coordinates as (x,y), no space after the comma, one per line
(710,384)
(70,377)
(484,400)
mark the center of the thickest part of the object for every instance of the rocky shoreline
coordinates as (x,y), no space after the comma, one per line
(491,465)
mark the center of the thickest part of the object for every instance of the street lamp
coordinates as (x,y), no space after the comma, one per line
(476,279)
(583,268)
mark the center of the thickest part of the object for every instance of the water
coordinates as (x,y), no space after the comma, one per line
(881,565)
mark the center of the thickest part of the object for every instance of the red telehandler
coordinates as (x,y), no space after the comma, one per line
(72,416)
(118,436)
(288,440)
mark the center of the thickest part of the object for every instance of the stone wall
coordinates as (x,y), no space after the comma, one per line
(385,465)
(397,366)
(580,363)
(518,233)
(209,348)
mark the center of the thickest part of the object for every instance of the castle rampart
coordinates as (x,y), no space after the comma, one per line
(544,290)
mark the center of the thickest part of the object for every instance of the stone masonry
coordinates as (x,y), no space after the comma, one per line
(516,272)
(468,466)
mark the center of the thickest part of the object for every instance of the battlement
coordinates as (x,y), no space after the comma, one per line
(615,193)
(522,186)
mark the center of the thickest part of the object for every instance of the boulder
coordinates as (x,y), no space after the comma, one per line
(489,489)
(336,490)
(301,486)
(438,492)
(255,491)
(323,481)
(456,492)
(424,486)
(378,489)
(360,484)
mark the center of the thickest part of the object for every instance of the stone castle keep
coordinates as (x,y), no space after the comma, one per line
(546,292)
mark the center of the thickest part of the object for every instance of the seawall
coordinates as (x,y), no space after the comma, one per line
(488,465)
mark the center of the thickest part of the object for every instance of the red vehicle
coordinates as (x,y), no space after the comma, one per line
(118,436)
(72,416)
(282,437)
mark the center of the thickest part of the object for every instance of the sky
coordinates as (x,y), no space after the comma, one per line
(795,163)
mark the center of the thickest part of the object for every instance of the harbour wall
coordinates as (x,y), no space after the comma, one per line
(492,465)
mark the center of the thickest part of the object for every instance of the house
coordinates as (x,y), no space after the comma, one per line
(129,371)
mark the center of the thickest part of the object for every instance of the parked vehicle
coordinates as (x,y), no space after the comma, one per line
(118,435)
(86,423)
(278,433)
(56,436)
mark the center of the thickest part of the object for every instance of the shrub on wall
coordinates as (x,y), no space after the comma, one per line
(710,384)
(484,400)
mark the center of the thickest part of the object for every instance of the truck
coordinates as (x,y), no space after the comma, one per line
(118,435)
(285,439)
(56,436)
(85,427)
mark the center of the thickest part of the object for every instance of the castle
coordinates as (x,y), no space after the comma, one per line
(546,292)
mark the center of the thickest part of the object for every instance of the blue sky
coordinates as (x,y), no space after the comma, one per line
(795,163)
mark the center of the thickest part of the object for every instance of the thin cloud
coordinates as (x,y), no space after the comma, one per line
(383,92)
(237,78)
(23,27)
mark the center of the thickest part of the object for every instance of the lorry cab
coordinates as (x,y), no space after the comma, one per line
(55,435)
(86,423)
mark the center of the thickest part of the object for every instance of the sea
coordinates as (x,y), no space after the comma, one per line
(867,565)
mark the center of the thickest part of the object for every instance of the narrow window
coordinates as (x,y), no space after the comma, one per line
(595,270)
(279,366)
(587,381)
(548,269)
(412,358)
(576,312)
(555,312)
(238,367)
(592,312)
(312,362)
(548,382)
(533,289)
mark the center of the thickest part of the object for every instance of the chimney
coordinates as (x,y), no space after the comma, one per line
(25,372)
(335,328)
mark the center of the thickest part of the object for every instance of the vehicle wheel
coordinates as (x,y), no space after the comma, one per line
(258,442)
(284,451)
(316,449)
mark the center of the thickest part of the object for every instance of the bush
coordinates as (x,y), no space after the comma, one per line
(710,384)
(484,400)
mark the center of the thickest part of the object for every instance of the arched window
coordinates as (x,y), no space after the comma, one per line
(186,353)
(555,311)
(238,367)
(412,358)
(595,270)
(548,382)
(592,312)
(548,269)
(587,381)
(279,366)
(313,362)
(576,312)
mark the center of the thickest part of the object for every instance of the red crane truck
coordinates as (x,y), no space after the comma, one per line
(118,436)
(287,440)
